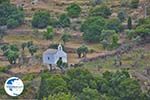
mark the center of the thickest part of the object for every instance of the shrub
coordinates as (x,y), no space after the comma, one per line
(103,11)
(40,19)
(64,20)
(109,39)
(11,23)
(96,2)
(55,22)
(122,15)
(11,15)
(28,77)
(124,3)
(74,10)
(49,34)
(60,96)
(65,37)
(2,1)
(114,24)
(134,3)
(82,50)
(130,34)
(4,69)
(92,28)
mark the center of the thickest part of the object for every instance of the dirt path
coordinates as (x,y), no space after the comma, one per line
(122,49)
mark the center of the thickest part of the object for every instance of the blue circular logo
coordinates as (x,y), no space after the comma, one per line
(14,86)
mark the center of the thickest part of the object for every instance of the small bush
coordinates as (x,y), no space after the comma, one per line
(64,20)
(74,10)
(103,11)
(134,4)
(4,69)
(28,77)
(12,23)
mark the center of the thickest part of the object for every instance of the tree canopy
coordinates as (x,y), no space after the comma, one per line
(10,15)
(65,37)
(64,20)
(80,84)
(40,19)
(102,10)
(92,28)
(11,52)
(143,29)
(114,24)
(4,1)
(73,10)
(134,3)
(82,50)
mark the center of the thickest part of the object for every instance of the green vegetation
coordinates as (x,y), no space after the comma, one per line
(109,39)
(130,34)
(122,15)
(49,34)
(11,52)
(64,20)
(82,50)
(124,3)
(134,3)
(82,85)
(143,29)
(73,10)
(92,28)
(10,15)
(96,2)
(65,37)
(11,23)
(41,19)
(52,84)
(4,1)
(84,27)
(33,49)
(4,69)
(103,11)
(28,77)
(114,24)
(60,96)
(62,65)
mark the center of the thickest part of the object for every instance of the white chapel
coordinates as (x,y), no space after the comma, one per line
(51,56)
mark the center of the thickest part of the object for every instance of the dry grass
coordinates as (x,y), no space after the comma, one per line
(25,69)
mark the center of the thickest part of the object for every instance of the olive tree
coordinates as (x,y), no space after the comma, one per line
(65,37)
(82,50)
(12,56)
(11,52)
(33,49)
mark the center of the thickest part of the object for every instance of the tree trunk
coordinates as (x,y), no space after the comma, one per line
(79,55)
(50,65)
